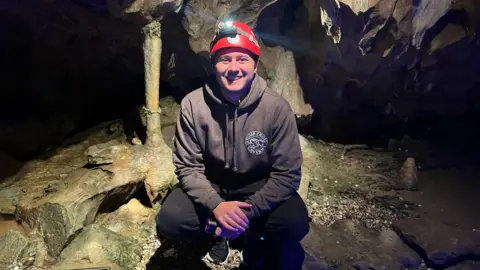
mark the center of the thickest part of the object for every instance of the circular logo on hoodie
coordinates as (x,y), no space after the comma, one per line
(256,142)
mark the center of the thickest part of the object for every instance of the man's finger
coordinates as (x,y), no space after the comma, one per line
(238,220)
(232,222)
(244,219)
(243,204)
(226,224)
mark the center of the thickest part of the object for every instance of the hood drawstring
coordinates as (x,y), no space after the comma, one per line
(234,141)
(225,138)
(226,146)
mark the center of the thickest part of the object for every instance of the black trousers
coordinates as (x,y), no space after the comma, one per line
(276,234)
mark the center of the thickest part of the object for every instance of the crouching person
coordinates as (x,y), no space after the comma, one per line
(238,160)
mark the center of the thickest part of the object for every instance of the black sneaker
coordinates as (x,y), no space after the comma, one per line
(219,253)
(250,261)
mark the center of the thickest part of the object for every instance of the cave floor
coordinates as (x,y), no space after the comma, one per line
(447,196)
(450,196)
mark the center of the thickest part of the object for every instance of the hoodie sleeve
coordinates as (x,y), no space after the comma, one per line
(286,161)
(188,161)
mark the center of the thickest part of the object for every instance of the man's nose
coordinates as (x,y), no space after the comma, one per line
(233,66)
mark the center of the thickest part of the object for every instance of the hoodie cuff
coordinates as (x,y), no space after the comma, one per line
(213,202)
(249,213)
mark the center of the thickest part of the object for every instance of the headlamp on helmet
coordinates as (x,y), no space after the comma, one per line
(229,29)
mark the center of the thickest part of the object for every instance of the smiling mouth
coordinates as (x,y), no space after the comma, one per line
(233,79)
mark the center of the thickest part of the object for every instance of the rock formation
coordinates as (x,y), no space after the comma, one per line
(337,58)
(346,67)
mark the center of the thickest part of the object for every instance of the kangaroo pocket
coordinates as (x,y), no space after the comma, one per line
(241,184)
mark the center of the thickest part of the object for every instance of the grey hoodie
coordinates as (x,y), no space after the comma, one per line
(249,149)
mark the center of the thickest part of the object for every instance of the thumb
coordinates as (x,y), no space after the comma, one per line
(243,205)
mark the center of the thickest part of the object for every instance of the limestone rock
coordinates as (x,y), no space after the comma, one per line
(132,220)
(103,153)
(395,56)
(39,177)
(359,6)
(427,14)
(330,20)
(311,263)
(408,174)
(466,265)
(9,197)
(97,246)
(348,245)
(35,253)
(170,108)
(443,245)
(12,244)
(284,78)
(308,167)
(202,16)
(136,10)
(72,205)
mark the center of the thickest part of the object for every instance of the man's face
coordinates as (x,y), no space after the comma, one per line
(234,68)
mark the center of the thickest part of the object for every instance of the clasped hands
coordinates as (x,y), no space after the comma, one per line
(231,219)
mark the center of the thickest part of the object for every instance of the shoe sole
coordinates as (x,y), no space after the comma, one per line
(208,258)
(258,264)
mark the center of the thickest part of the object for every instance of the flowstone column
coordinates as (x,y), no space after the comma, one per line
(156,150)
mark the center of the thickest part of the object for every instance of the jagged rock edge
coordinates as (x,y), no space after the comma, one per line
(423,254)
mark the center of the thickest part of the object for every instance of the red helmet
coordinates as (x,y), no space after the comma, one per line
(234,34)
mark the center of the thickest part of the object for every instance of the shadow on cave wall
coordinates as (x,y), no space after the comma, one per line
(67,67)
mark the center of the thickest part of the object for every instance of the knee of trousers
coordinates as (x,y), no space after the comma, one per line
(289,231)
(169,224)
(296,231)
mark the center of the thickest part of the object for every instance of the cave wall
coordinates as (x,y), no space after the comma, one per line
(377,72)
(358,64)
(63,66)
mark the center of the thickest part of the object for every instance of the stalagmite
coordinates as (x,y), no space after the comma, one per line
(151,162)
(151,52)
(157,151)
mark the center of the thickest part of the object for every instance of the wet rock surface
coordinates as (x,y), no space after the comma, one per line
(395,56)
(363,215)
(12,244)
(132,219)
(98,246)
(346,244)
(439,244)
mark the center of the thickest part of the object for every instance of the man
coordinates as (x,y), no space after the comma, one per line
(238,158)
